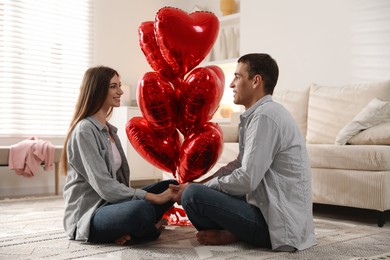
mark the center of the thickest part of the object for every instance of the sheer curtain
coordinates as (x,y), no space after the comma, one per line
(45,47)
(371,41)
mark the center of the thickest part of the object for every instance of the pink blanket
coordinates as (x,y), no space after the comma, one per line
(27,156)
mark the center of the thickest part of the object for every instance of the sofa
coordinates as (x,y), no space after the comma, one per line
(347,133)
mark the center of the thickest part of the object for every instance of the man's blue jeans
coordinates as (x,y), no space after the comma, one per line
(211,209)
(136,218)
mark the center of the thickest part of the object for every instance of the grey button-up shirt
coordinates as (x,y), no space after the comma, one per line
(273,171)
(91,182)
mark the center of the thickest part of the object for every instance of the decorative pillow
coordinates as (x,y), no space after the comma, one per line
(295,101)
(376,135)
(374,113)
(331,108)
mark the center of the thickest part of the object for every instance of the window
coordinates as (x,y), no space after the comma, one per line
(371,40)
(45,47)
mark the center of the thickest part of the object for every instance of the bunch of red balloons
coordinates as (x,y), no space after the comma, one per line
(177,100)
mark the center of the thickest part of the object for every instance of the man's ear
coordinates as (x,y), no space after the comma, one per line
(257,79)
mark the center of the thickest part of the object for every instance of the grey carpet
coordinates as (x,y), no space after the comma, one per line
(31,228)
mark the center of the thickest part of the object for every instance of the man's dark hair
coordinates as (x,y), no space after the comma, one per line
(264,65)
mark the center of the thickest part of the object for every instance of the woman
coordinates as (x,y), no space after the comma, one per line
(99,204)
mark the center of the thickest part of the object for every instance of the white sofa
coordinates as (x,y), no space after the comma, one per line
(354,174)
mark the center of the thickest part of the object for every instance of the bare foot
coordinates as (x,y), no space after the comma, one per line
(215,237)
(123,240)
(161,224)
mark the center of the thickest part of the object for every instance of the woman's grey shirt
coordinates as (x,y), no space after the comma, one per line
(91,182)
(273,170)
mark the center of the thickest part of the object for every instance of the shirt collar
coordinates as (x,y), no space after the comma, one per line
(100,126)
(260,102)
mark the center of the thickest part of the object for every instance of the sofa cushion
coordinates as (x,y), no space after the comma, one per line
(375,113)
(376,135)
(295,101)
(352,157)
(230,133)
(331,108)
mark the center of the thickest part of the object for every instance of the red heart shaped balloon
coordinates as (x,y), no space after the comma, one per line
(161,151)
(200,95)
(157,102)
(149,47)
(185,39)
(199,152)
(218,71)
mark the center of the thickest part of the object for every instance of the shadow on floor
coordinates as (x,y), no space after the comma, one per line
(349,214)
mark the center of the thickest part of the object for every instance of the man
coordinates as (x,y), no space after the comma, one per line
(264,196)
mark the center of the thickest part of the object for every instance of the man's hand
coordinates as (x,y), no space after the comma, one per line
(178,191)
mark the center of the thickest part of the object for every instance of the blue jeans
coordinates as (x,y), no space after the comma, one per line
(136,218)
(209,209)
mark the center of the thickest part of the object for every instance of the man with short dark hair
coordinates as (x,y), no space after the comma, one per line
(264,196)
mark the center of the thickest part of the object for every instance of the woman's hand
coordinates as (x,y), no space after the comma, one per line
(160,198)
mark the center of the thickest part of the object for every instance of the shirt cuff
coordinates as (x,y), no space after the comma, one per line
(139,194)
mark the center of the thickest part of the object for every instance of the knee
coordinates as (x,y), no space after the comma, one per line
(144,213)
(192,192)
(172,181)
(166,183)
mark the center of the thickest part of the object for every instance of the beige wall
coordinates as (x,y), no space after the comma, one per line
(311,40)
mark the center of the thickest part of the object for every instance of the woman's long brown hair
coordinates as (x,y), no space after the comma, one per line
(93,91)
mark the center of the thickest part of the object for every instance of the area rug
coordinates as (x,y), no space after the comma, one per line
(31,228)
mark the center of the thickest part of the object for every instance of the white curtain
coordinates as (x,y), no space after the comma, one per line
(371,41)
(45,47)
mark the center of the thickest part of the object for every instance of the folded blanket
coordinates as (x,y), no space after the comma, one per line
(27,156)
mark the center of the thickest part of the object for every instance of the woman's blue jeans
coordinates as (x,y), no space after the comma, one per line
(136,218)
(210,209)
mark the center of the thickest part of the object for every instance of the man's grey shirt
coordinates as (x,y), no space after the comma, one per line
(273,171)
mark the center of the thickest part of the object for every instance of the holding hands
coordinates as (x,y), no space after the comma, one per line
(173,193)
(160,198)
(178,191)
